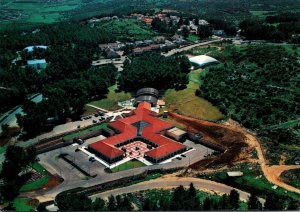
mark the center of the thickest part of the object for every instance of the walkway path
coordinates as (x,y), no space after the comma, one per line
(168,181)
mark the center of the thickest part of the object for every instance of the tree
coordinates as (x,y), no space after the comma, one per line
(73,202)
(254,203)
(111,206)
(147,206)
(98,205)
(234,198)
(204,31)
(273,203)
(207,204)
(16,161)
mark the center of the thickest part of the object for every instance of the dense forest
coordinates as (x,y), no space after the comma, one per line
(154,70)
(259,87)
(281,27)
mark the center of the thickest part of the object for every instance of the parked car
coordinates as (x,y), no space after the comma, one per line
(178,158)
(94,121)
(92,159)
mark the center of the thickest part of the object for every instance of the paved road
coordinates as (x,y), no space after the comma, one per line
(171,182)
(177,50)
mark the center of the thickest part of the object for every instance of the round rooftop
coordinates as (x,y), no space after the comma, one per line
(203,60)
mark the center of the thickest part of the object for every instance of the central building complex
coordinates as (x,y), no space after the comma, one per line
(141,125)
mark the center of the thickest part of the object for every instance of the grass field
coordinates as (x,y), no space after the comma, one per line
(128,165)
(81,132)
(125,28)
(186,102)
(21,204)
(111,102)
(39,182)
(192,38)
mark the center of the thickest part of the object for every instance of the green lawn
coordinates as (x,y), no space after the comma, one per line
(39,183)
(128,165)
(186,102)
(111,102)
(192,38)
(81,132)
(21,204)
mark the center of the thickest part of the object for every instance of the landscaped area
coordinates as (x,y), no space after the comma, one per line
(40,182)
(186,102)
(111,101)
(81,132)
(128,165)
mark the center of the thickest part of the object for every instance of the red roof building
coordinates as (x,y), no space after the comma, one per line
(142,125)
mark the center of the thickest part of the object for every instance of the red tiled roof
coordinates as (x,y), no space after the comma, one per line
(127,131)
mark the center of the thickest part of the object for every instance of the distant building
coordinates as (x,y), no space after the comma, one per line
(111,53)
(159,39)
(219,33)
(37,64)
(31,48)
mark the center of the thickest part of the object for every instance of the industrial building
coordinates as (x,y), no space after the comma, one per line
(144,126)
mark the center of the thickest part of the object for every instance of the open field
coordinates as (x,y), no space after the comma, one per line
(81,132)
(128,165)
(112,99)
(186,102)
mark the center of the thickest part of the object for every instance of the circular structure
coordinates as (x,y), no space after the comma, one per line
(149,95)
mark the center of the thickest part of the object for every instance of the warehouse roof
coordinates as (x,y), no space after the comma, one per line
(141,124)
(203,60)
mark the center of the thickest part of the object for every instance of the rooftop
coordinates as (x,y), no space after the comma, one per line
(142,124)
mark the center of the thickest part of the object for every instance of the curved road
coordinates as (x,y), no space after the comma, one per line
(171,182)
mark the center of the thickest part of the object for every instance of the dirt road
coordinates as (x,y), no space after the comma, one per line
(233,129)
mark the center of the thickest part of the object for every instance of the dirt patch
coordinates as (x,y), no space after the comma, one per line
(233,142)
(54,181)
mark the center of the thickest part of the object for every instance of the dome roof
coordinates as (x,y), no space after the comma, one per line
(203,60)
